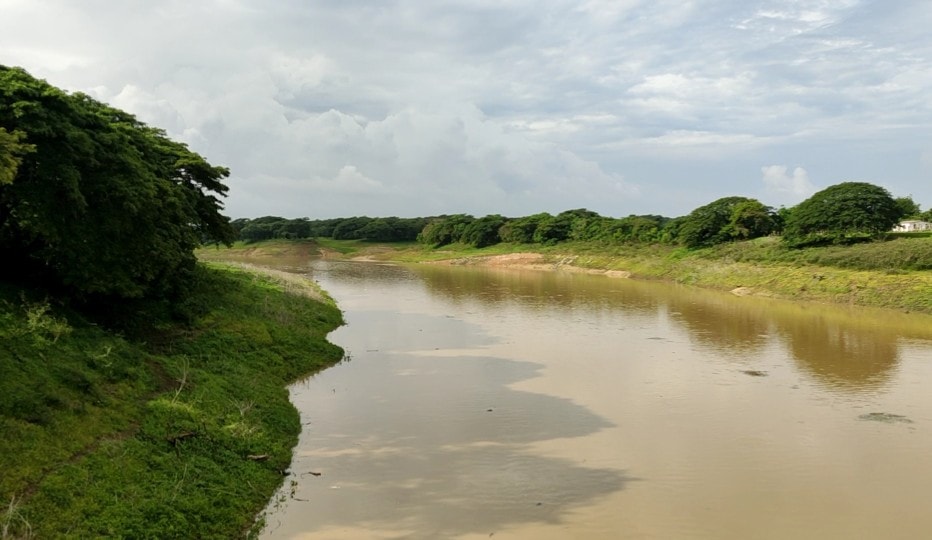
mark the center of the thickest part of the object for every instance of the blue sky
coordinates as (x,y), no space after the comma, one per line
(336,108)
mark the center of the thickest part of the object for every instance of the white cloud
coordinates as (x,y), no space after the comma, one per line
(778,181)
(503,106)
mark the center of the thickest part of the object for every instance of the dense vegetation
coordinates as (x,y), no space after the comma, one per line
(846,213)
(184,435)
(390,229)
(94,202)
(141,395)
(842,213)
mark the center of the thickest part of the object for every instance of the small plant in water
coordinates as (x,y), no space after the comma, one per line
(886,418)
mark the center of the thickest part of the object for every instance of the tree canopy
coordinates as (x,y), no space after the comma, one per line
(843,213)
(725,219)
(96,201)
(908,207)
(11,152)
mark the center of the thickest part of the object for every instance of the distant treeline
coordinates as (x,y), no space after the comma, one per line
(844,213)
(390,229)
(543,228)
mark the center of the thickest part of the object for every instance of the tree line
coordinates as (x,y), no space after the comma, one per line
(844,213)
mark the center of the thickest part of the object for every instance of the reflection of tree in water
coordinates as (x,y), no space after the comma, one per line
(540,290)
(840,353)
(722,322)
(844,350)
(361,273)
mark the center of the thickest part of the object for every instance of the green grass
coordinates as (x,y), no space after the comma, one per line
(107,436)
(352,247)
(898,254)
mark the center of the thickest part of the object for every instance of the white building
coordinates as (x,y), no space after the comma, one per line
(913,225)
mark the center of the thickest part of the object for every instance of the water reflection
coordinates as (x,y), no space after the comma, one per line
(844,349)
(721,322)
(842,352)
(847,349)
(536,289)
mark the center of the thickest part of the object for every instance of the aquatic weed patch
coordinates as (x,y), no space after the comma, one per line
(886,418)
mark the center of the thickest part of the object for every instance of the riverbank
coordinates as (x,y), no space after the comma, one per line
(164,430)
(893,275)
(909,291)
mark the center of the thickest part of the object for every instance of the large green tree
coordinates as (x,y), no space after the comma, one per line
(521,230)
(750,219)
(843,213)
(444,230)
(908,207)
(484,231)
(100,203)
(725,219)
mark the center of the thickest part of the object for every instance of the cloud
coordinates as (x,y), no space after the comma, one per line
(443,161)
(778,182)
(504,106)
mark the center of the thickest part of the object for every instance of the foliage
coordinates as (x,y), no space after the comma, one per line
(908,207)
(483,231)
(390,229)
(843,213)
(445,230)
(100,202)
(105,436)
(522,230)
(633,229)
(12,150)
(904,253)
(750,219)
(725,219)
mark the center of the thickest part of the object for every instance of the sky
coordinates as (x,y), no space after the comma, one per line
(338,108)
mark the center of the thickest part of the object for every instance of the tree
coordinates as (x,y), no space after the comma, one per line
(521,230)
(843,213)
(483,231)
(728,218)
(560,227)
(630,229)
(348,229)
(100,202)
(445,230)
(750,219)
(256,232)
(908,207)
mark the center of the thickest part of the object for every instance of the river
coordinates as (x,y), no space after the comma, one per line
(479,402)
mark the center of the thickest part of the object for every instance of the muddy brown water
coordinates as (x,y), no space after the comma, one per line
(478,403)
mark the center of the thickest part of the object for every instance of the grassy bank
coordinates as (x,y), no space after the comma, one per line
(177,432)
(895,274)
